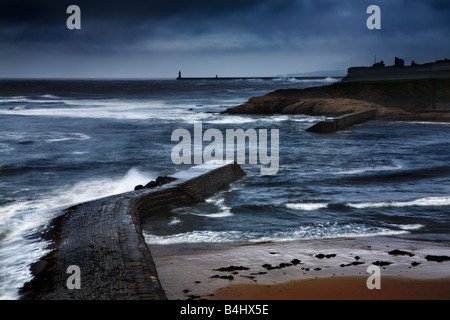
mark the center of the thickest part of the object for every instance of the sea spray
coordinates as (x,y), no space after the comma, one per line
(20,220)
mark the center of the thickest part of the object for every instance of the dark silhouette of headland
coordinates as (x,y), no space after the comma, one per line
(418,92)
(379,71)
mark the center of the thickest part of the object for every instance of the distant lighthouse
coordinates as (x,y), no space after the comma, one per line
(179,75)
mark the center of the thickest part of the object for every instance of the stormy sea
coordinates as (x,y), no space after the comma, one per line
(64,142)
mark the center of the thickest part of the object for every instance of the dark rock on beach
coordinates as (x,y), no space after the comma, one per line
(231,268)
(280,266)
(230,277)
(381,263)
(397,252)
(328,256)
(285,265)
(354,263)
(437,258)
(258,273)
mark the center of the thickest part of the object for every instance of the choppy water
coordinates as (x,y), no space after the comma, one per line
(64,142)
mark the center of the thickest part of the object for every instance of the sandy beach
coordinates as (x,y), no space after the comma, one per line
(302,270)
(341,288)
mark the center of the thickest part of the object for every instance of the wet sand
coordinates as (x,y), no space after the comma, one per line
(309,269)
(341,288)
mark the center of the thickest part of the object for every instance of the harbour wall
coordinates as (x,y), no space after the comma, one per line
(104,239)
(331,125)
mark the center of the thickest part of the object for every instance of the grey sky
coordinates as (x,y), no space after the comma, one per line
(154,39)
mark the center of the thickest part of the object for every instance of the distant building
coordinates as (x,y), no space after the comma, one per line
(399,62)
(379,71)
(378,64)
(442,65)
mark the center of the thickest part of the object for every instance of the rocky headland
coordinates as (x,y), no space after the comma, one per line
(408,100)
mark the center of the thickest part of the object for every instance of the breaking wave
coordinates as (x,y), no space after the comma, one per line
(422,202)
(320,231)
(20,219)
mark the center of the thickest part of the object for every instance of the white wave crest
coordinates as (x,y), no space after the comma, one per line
(174,221)
(58,137)
(21,218)
(410,226)
(324,231)
(223,210)
(422,202)
(306,206)
(369,169)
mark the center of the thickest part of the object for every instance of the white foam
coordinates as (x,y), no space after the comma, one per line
(325,231)
(430,123)
(219,202)
(231,120)
(300,236)
(193,237)
(174,221)
(329,79)
(295,80)
(369,169)
(410,226)
(58,137)
(5,148)
(22,217)
(112,108)
(50,96)
(422,202)
(306,206)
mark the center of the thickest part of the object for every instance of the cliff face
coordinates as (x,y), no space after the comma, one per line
(312,106)
(393,99)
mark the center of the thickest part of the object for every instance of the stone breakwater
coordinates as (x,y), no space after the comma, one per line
(335,124)
(104,239)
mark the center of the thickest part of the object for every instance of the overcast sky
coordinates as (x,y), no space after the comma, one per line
(155,39)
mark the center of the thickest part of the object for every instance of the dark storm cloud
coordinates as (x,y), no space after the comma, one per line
(204,28)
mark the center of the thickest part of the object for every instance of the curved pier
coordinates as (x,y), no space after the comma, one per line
(104,239)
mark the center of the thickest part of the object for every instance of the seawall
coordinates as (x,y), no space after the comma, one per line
(104,239)
(335,124)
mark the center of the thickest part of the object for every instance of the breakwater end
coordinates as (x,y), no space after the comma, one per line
(331,125)
(104,239)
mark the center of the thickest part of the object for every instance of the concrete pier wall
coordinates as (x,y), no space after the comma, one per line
(104,239)
(340,123)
